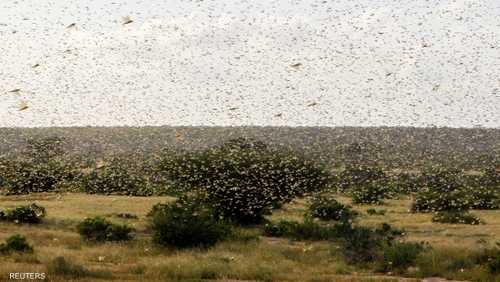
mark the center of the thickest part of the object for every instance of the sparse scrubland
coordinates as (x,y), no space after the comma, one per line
(245,210)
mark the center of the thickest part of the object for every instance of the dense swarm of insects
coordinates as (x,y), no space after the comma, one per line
(242,179)
(204,125)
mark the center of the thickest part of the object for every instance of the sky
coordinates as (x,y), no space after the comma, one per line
(229,63)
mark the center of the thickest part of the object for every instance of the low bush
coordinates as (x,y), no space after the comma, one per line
(24,177)
(493,263)
(371,193)
(490,258)
(375,212)
(118,176)
(355,176)
(307,230)
(483,191)
(442,179)
(484,197)
(432,201)
(325,207)
(186,224)
(363,245)
(405,183)
(24,214)
(16,243)
(455,217)
(358,244)
(126,215)
(398,256)
(447,189)
(98,229)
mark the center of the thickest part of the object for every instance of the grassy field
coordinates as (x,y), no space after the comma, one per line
(250,258)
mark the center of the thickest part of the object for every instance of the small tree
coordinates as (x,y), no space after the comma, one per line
(242,181)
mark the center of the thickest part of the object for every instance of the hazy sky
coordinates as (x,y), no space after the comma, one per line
(227,62)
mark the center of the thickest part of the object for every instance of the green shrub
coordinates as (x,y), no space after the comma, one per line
(442,179)
(24,177)
(41,168)
(357,241)
(186,224)
(450,190)
(455,217)
(16,243)
(398,256)
(483,191)
(355,176)
(432,201)
(484,197)
(24,214)
(325,207)
(120,176)
(375,212)
(363,245)
(99,229)
(405,183)
(493,264)
(281,229)
(490,258)
(443,191)
(126,215)
(307,230)
(242,180)
(371,193)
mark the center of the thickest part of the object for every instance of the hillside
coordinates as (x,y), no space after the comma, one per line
(391,146)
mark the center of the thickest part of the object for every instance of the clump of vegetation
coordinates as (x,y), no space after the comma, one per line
(404,183)
(118,176)
(363,245)
(32,214)
(307,230)
(484,191)
(490,258)
(26,176)
(126,215)
(41,170)
(63,267)
(371,193)
(443,191)
(375,212)
(356,176)
(358,244)
(456,217)
(326,207)
(16,243)
(243,179)
(398,256)
(432,201)
(98,229)
(186,223)
(484,197)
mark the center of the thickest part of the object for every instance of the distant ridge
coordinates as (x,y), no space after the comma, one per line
(393,144)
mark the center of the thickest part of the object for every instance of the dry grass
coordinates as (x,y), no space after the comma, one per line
(418,226)
(267,259)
